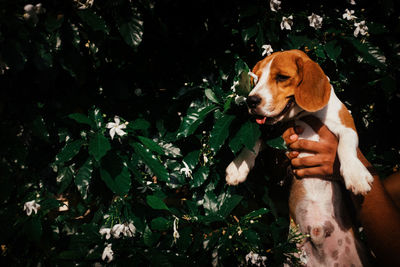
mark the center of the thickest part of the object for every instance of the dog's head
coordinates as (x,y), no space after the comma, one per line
(288,83)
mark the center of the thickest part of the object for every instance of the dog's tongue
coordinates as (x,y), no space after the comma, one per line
(261,121)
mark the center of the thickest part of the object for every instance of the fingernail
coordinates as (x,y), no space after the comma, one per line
(293,137)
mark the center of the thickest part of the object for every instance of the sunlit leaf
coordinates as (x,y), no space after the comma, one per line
(220,132)
(151,161)
(82,178)
(193,120)
(247,136)
(69,151)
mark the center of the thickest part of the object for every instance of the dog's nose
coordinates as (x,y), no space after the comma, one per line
(253,101)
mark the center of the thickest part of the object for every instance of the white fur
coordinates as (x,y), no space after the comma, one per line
(240,167)
(264,92)
(356,177)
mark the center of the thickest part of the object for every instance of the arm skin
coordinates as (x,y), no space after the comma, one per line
(377,211)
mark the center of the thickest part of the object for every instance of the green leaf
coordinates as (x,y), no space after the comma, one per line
(250,32)
(121,184)
(297,41)
(151,161)
(192,159)
(150,144)
(251,236)
(83,119)
(365,53)
(220,132)
(200,176)
(193,120)
(160,224)
(39,129)
(94,21)
(255,214)
(82,179)
(108,180)
(64,178)
(319,51)
(150,238)
(156,203)
(53,22)
(96,116)
(98,146)
(139,124)
(333,50)
(131,31)
(33,229)
(211,95)
(229,204)
(277,143)
(247,135)
(210,203)
(69,151)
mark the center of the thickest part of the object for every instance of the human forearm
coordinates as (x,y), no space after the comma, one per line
(381,220)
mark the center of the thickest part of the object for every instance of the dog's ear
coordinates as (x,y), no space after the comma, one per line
(313,91)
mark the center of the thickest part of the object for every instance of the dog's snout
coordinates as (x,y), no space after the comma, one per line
(253,101)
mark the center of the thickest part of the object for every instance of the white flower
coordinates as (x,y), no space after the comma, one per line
(233,87)
(176,233)
(116,127)
(117,229)
(205,159)
(315,21)
(239,100)
(84,4)
(105,231)
(31,206)
(349,15)
(32,11)
(138,92)
(255,259)
(107,253)
(352,2)
(129,230)
(267,50)
(287,23)
(275,5)
(186,170)
(361,28)
(125,229)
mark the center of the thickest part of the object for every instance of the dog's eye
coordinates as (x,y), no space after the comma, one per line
(282,78)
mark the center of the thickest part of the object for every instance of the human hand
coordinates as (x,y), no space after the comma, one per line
(324,163)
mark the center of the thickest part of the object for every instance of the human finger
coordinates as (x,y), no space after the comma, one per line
(291,134)
(292,154)
(305,145)
(311,161)
(315,172)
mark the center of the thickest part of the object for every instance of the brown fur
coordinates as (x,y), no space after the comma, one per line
(346,118)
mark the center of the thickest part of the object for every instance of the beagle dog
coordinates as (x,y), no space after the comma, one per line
(290,85)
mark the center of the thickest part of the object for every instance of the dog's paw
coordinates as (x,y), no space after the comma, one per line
(236,174)
(356,177)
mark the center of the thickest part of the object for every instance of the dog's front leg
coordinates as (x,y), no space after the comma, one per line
(355,175)
(239,168)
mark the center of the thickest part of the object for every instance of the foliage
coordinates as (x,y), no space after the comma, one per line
(174,71)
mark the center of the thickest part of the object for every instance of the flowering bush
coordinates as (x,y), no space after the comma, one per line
(120,117)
